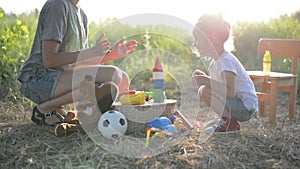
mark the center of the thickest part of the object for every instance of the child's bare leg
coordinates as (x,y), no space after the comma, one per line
(212,101)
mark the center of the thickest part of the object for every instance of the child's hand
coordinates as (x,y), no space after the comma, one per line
(195,76)
(121,50)
(198,72)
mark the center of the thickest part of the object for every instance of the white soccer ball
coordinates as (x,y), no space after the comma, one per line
(112,124)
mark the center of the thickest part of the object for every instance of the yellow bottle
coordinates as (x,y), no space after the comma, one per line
(267,63)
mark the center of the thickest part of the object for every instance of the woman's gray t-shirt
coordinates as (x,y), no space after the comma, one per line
(59,20)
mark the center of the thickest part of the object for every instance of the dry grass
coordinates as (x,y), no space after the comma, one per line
(259,145)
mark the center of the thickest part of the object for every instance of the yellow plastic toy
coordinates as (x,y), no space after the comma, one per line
(133,98)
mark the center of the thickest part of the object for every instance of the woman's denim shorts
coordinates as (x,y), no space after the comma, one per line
(41,89)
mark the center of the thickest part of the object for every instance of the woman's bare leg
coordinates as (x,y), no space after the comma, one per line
(70,80)
(58,102)
(124,84)
(67,98)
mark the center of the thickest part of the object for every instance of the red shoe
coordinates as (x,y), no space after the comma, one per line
(225,126)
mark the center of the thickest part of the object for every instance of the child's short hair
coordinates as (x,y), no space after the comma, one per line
(213,24)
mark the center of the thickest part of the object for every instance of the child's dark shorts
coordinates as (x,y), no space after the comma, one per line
(238,110)
(41,88)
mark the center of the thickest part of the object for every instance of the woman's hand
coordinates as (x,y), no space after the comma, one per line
(120,50)
(102,46)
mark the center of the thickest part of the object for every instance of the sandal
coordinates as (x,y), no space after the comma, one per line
(40,118)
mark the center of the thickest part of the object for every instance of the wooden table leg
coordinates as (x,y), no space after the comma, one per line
(262,104)
(273,102)
(293,93)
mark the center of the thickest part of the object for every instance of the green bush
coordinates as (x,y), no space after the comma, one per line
(14,42)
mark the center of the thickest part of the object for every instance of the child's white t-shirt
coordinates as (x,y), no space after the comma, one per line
(245,88)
